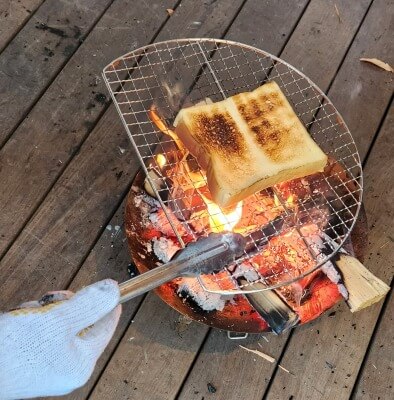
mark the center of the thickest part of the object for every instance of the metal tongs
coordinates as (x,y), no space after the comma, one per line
(204,256)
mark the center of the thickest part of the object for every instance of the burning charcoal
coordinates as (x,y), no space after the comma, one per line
(278,315)
(318,243)
(260,236)
(296,188)
(314,212)
(321,294)
(161,222)
(164,249)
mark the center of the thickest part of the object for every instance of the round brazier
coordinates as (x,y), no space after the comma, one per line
(238,315)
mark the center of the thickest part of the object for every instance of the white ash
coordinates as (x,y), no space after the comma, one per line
(316,243)
(164,249)
(148,246)
(162,223)
(138,200)
(147,205)
(247,271)
(334,276)
(206,300)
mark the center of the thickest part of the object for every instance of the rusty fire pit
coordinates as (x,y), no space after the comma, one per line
(238,314)
(297,228)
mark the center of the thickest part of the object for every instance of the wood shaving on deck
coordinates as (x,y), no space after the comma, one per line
(266,357)
(378,63)
(259,353)
(170,11)
(337,13)
(284,369)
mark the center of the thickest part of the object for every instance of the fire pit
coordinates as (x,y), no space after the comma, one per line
(293,267)
(151,242)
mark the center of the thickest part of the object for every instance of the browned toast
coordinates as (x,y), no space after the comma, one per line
(248,142)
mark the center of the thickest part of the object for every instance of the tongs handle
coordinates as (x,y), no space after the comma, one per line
(204,256)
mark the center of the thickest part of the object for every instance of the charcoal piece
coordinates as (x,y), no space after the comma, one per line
(261,236)
(278,315)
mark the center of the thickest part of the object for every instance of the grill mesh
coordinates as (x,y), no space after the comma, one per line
(170,75)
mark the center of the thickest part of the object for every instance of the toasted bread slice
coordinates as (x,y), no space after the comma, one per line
(248,142)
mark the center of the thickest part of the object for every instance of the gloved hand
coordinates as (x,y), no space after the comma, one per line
(51,348)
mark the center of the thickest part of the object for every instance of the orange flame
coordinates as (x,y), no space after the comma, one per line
(220,221)
(290,200)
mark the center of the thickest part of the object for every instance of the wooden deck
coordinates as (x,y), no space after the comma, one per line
(63,179)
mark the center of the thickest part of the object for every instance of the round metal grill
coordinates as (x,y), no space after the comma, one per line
(151,84)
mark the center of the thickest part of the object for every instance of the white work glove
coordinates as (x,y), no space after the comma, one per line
(51,348)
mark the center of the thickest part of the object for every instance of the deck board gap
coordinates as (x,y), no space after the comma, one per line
(375,137)
(21,26)
(53,78)
(209,332)
(76,150)
(122,336)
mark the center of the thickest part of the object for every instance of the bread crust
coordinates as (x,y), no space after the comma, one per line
(249,142)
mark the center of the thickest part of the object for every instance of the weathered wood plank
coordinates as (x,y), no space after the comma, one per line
(376,380)
(301,47)
(275,20)
(153,363)
(234,372)
(13,14)
(46,141)
(217,362)
(38,52)
(361,89)
(84,275)
(100,211)
(379,90)
(49,250)
(320,41)
(74,188)
(327,355)
(108,259)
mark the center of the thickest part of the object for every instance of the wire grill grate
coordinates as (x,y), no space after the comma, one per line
(179,73)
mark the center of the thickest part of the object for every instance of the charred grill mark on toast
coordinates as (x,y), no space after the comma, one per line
(218,131)
(258,115)
(269,133)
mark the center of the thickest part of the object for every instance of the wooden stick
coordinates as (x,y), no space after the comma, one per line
(259,353)
(154,117)
(364,288)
